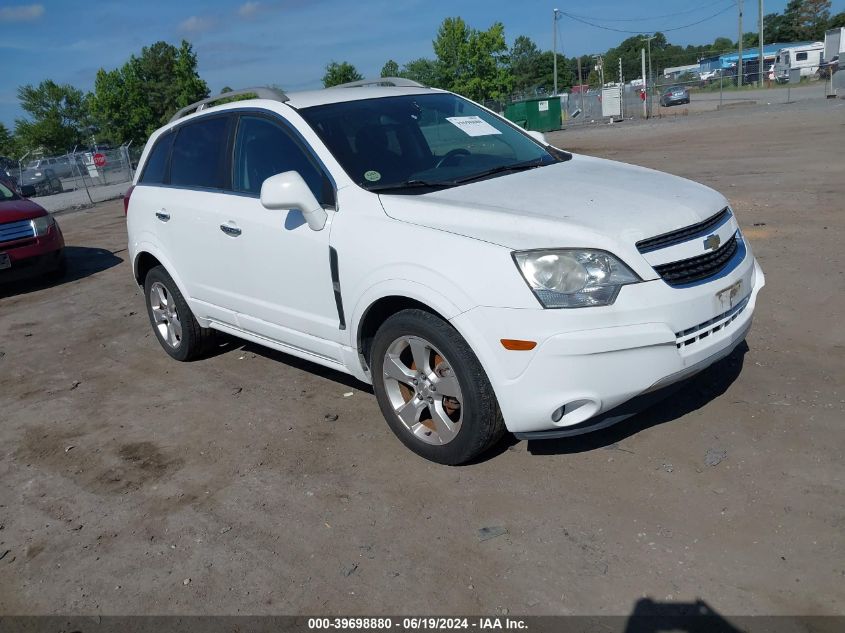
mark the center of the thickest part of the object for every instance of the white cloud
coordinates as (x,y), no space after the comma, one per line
(22,13)
(196,24)
(248,9)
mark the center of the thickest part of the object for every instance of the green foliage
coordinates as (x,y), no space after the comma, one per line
(390,69)
(130,102)
(57,117)
(422,70)
(340,73)
(801,20)
(837,21)
(471,62)
(723,45)
(8,143)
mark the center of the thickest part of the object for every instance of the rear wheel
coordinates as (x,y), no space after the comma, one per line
(432,389)
(175,326)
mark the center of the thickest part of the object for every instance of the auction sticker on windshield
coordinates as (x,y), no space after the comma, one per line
(472,125)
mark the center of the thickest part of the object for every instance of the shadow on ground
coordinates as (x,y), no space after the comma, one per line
(82,262)
(693,394)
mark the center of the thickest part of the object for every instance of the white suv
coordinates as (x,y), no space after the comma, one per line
(479,278)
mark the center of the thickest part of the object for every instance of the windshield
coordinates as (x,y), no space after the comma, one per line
(434,140)
(33,164)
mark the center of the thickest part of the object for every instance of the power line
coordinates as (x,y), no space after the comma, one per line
(646,19)
(675,28)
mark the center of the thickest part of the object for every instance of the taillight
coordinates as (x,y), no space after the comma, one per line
(126,197)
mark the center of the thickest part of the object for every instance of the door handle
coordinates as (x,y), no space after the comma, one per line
(163,215)
(230,230)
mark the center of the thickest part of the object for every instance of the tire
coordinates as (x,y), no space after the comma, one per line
(173,322)
(451,375)
(58,188)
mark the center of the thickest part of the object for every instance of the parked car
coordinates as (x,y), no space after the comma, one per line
(674,95)
(31,242)
(63,166)
(479,278)
(39,181)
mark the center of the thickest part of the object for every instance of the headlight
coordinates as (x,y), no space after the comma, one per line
(42,225)
(38,173)
(571,278)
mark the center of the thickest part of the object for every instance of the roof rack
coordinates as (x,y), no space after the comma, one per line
(396,82)
(259,92)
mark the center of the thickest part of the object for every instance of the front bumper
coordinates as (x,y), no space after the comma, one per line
(34,256)
(591,360)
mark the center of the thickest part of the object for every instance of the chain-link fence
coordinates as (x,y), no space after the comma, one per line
(77,178)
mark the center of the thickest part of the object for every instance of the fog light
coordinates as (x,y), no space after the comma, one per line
(557,414)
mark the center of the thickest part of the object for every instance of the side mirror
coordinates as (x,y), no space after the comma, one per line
(289,191)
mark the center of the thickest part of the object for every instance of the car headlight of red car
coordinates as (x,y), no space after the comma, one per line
(43,224)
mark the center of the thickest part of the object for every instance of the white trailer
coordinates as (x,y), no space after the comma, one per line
(803,57)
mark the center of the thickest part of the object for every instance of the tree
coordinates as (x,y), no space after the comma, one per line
(131,102)
(812,17)
(524,63)
(422,70)
(340,73)
(471,62)
(57,117)
(723,45)
(8,143)
(390,69)
(837,21)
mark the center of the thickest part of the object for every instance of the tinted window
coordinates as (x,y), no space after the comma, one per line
(263,149)
(197,153)
(800,57)
(157,161)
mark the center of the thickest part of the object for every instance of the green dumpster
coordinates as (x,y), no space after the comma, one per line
(540,114)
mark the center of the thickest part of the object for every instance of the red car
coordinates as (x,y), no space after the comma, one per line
(31,242)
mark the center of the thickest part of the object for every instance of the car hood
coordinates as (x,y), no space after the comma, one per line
(583,202)
(20,209)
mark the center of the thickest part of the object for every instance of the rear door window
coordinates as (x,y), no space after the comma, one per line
(198,153)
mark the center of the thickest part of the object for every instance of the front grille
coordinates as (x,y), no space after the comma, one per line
(682,235)
(20,230)
(699,332)
(694,269)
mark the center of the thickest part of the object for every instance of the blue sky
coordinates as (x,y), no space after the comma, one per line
(288,42)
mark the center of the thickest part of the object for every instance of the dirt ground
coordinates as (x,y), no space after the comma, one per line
(130,483)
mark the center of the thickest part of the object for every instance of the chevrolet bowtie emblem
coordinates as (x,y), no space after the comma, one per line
(712,242)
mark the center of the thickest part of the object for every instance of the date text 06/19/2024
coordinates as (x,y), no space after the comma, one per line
(417,624)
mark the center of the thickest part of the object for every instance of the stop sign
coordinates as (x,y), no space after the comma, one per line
(99,159)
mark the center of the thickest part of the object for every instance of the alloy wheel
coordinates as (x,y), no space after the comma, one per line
(165,317)
(423,390)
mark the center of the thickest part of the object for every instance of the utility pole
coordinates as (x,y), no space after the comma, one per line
(555,18)
(648,92)
(762,59)
(739,59)
(645,86)
(621,91)
(580,84)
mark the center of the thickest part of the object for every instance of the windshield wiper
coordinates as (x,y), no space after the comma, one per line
(501,169)
(412,184)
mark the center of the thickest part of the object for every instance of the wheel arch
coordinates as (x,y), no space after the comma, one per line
(381,309)
(148,257)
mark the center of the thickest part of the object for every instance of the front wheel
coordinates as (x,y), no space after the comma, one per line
(432,389)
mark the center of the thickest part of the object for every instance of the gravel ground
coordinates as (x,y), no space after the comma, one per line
(130,483)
